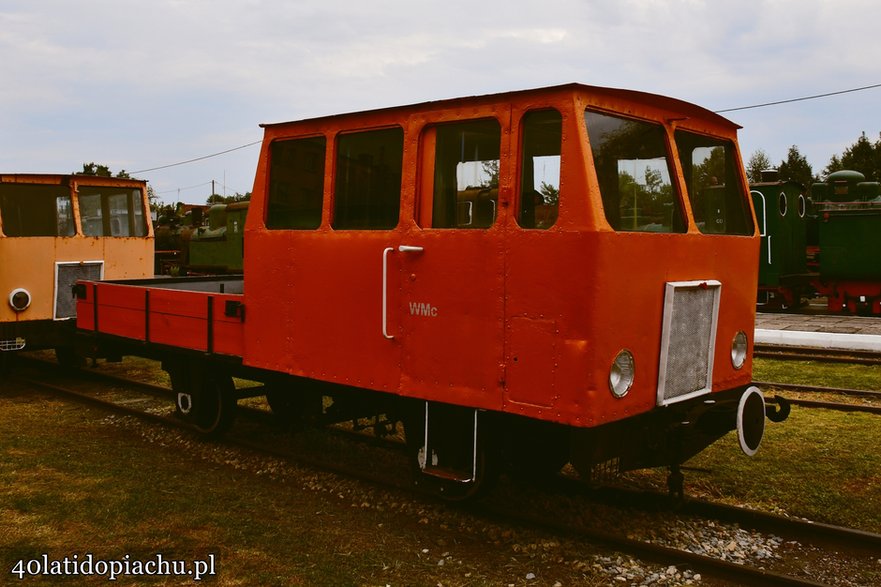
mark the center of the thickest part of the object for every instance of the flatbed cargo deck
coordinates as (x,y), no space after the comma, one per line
(202,314)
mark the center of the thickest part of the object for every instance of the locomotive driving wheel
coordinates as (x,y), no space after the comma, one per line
(205,398)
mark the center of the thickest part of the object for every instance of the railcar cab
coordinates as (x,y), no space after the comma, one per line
(54,230)
(539,277)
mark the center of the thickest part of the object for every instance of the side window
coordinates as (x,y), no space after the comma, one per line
(119,215)
(367,190)
(633,170)
(714,187)
(91,214)
(36,210)
(296,183)
(540,169)
(466,175)
(137,204)
(107,211)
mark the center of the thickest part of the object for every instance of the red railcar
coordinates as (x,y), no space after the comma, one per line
(530,278)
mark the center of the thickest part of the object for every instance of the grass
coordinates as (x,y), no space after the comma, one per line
(818,464)
(818,373)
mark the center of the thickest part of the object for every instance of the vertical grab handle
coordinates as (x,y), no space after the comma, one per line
(385,253)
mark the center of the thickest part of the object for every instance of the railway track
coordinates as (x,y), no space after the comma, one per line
(859,400)
(795,353)
(266,443)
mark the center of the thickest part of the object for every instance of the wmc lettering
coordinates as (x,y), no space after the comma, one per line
(423,309)
(89,566)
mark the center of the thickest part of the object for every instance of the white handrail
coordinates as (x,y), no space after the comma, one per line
(385,252)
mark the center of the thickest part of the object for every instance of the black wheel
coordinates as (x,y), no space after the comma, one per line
(204,399)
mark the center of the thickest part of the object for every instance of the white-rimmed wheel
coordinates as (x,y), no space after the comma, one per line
(204,397)
(751,420)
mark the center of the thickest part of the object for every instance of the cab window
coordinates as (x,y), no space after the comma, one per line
(296,183)
(109,211)
(367,188)
(465,193)
(35,210)
(633,170)
(540,169)
(712,178)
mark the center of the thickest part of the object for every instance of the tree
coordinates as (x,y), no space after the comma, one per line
(796,168)
(550,194)
(102,170)
(758,162)
(236,197)
(863,156)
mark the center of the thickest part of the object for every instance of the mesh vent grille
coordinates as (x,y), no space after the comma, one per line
(66,276)
(688,340)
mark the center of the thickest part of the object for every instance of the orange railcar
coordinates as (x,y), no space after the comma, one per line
(54,230)
(531,278)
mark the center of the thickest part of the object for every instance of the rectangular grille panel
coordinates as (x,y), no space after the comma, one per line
(66,275)
(688,339)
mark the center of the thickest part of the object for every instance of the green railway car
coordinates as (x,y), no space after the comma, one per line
(219,247)
(781,212)
(849,222)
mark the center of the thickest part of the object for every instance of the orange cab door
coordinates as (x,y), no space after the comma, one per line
(449,318)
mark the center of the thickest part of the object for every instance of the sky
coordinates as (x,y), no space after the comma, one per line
(145,85)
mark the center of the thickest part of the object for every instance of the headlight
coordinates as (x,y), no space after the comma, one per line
(738,349)
(621,373)
(19,299)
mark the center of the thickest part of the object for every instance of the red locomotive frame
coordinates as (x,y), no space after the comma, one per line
(531,278)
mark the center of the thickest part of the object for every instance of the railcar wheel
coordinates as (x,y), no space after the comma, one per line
(204,399)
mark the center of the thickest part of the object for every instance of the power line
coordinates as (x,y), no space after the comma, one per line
(183,189)
(802,99)
(763,105)
(197,158)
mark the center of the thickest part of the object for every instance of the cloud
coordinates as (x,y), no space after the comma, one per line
(147,83)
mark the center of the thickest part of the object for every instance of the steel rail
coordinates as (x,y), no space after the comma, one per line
(738,574)
(837,406)
(818,389)
(795,353)
(794,527)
